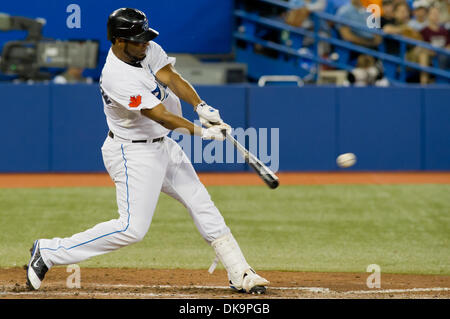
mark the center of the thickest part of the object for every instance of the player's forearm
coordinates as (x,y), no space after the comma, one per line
(172,121)
(184,90)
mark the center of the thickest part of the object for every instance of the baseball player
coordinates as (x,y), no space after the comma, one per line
(141,90)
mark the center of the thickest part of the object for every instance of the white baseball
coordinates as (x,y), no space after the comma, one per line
(346,160)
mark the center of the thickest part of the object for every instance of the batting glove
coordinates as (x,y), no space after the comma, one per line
(216,132)
(208,115)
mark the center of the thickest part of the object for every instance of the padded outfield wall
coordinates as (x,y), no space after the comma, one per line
(60,128)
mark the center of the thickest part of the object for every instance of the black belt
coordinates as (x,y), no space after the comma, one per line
(159,139)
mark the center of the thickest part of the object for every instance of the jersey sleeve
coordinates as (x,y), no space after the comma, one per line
(158,58)
(132,96)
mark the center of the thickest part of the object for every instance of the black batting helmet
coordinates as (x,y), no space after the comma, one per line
(129,24)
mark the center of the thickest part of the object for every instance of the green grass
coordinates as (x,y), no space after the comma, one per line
(343,228)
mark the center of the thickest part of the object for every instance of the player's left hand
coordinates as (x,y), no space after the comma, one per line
(216,132)
(208,115)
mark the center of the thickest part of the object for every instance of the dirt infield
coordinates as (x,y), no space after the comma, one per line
(180,283)
(210,179)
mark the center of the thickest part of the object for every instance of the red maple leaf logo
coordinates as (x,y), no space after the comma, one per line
(135,101)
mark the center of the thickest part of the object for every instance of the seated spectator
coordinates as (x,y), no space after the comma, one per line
(434,32)
(299,17)
(72,75)
(355,12)
(437,36)
(444,12)
(387,14)
(366,72)
(400,27)
(334,5)
(420,11)
(402,1)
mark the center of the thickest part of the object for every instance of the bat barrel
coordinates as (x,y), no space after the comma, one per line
(262,170)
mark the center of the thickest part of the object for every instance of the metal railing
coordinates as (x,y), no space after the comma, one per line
(280,78)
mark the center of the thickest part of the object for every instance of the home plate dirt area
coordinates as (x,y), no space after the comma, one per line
(184,283)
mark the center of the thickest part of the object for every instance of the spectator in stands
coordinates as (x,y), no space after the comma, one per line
(299,16)
(367,72)
(72,75)
(403,1)
(356,13)
(420,11)
(334,5)
(400,27)
(437,36)
(387,15)
(444,9)
(434,32)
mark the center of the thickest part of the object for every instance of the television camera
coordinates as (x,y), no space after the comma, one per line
(28,58)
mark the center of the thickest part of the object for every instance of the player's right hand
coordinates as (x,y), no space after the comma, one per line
(208,115)
(215,132)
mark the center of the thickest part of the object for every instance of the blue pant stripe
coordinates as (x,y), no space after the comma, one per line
(118,231)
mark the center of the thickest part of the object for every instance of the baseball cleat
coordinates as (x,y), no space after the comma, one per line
(252,283)
(258,290)
(36,269)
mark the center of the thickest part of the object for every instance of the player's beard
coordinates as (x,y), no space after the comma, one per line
(133,59)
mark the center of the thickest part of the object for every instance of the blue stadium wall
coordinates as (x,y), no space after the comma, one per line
(60,128)
(200,26)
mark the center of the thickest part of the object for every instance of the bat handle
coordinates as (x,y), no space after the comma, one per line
(224,132)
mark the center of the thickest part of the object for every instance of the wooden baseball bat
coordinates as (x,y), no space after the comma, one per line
(260,168)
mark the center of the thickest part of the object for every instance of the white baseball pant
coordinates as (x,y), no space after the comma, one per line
(140,172)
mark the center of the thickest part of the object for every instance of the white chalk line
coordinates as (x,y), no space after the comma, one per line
(309,289)
(130,295)
(388,291)
(76,292)
(82,293)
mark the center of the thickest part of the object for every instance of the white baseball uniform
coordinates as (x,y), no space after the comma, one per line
(141,164)
(139,170)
